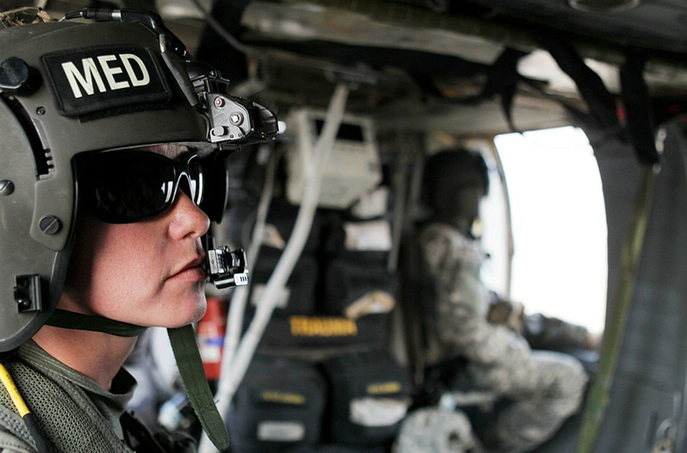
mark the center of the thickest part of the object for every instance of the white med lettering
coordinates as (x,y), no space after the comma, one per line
(127,59)
(90,78)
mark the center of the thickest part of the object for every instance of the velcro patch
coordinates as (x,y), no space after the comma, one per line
(93,80)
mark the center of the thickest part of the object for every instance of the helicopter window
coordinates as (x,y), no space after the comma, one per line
(559,265)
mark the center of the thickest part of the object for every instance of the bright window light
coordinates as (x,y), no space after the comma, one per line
(559,225)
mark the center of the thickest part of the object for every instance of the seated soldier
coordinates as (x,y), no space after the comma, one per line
(542,388)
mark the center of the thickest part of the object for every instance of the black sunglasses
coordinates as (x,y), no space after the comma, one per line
(133,185)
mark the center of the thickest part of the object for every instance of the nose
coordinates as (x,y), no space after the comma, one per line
(187,219)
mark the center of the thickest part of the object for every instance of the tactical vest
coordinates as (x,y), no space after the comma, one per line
(67,416)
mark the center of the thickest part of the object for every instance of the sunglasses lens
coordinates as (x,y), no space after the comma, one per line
(125,187)
(216,187)
(195,181)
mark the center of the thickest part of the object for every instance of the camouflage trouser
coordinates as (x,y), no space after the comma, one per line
(545,389)
(437,431)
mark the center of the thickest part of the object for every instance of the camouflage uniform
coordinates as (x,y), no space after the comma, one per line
(545,387)
(450,432)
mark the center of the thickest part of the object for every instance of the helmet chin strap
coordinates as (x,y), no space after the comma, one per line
(186,353)
(78,321)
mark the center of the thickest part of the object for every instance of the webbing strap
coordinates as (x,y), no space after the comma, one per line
(503,78)
(601,102)
(638,109)
(71,320)
(195,382)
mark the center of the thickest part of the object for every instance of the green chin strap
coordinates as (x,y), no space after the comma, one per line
(195,382)
(185,348)
(78,321)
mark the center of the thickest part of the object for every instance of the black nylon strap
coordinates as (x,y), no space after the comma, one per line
(638,109)
(503,78)
(601,103)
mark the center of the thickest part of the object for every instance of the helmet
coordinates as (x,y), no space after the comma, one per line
(455,167)
(71,87)
(455,180)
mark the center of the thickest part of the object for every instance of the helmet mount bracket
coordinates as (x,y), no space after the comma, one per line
(27,293)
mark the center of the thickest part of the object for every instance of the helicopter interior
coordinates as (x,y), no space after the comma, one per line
(433,73)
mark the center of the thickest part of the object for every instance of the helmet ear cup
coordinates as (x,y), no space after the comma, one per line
(31,275)
(216,181)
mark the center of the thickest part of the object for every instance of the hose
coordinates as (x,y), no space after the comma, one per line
(313,177)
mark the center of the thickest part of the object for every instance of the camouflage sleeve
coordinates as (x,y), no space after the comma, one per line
(460,310)
(543,332)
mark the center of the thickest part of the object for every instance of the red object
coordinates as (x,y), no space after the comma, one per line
(211,329)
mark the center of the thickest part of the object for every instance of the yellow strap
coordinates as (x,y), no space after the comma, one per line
(18,401)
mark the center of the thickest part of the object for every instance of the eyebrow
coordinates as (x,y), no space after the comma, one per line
(170,150)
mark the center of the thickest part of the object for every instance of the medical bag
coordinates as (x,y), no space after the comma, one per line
(278,405)
(369,395)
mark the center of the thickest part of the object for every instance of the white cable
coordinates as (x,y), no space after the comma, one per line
(246,349)
(240,297)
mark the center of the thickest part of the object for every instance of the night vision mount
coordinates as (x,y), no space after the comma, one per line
(232,121)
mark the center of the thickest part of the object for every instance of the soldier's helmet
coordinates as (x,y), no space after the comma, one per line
(454,181)
(71,89)
(450,167)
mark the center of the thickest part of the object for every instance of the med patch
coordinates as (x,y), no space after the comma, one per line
(104,80)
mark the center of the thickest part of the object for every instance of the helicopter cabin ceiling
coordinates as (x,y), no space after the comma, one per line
(433,60)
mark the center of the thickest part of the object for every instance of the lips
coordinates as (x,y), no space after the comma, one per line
(192,271)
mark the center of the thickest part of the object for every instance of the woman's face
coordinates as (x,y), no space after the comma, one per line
(146,273)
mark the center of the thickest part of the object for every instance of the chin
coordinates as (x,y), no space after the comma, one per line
(200,309)
(187,312)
